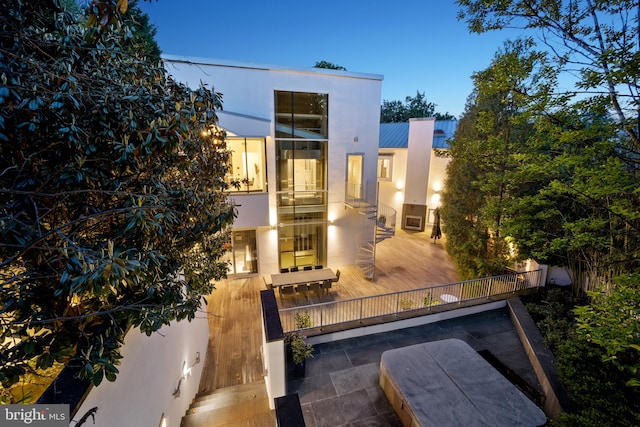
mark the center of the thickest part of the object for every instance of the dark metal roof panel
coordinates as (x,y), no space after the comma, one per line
(394,135)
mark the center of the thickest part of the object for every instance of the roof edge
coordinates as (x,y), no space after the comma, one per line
(269,67)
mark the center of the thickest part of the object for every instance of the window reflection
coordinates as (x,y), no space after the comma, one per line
(301,115)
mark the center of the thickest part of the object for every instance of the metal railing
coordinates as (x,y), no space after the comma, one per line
(448,296)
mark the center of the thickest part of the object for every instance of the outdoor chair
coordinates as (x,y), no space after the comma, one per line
(292,269)
(308,267)
(318,267)
(301,288)
(286,290)
(314,287)
(326,285)
(284,270)
(337,275)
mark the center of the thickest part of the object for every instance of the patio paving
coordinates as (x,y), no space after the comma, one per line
(341,383)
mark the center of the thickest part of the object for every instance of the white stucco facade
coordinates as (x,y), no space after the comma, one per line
(418,173)
(248,102)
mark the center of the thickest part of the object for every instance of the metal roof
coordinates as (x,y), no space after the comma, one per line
(396,135)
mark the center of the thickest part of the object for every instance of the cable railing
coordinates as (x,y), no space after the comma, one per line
(445,297)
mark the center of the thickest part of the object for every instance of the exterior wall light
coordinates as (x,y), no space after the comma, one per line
(186,373)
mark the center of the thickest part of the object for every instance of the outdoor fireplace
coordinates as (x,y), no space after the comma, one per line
(413,217)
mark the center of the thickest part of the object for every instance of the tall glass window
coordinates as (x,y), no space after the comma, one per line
(248,165)
(242,254)
(355,173)
(301,174)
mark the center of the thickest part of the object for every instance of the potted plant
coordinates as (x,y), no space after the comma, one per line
(301,352)
(303,320)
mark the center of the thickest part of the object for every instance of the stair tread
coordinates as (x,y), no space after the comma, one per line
(233,392)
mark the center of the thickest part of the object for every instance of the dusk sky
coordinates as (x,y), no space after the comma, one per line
(414,44)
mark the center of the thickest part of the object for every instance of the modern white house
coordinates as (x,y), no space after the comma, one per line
(410,172)
(304,142)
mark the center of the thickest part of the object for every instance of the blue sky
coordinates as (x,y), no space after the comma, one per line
(414,44)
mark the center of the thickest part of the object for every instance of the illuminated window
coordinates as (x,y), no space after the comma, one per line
(301,176)
(355,171)
(247,164)
(385,167)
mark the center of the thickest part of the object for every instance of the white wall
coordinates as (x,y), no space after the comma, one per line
(149,373)
(391,193)
(435,184)
(354,112)
(418,160)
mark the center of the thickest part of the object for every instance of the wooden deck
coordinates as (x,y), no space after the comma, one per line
(409,260)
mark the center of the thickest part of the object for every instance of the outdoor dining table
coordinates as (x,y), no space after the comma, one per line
(303,276)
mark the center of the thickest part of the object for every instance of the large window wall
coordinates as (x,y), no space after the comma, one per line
(301,174)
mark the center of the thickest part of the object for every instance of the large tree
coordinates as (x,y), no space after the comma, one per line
(113,211)
(595,42)
(583,161)
(484,153)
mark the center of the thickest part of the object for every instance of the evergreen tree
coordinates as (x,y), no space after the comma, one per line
(113,213)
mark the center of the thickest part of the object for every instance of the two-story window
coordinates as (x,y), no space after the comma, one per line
(301,176)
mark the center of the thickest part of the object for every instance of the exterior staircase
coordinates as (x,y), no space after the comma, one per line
(379,224)
(241,405)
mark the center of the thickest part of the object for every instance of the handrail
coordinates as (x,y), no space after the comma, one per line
(394,303)
(386,216)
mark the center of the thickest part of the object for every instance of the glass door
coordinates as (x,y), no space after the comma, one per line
(244,254)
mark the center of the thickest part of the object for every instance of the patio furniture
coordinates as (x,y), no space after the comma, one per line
(326,285)
(318,267)
(308,267)
(314,287)
(302,277)
(293,269)
(302,288)
(337,276)
(286,290)
(284,270)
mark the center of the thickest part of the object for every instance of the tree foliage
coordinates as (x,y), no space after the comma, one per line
(596,388)
(113,209)
(412,107)
(573,194)
(484,154)
(612,322)
(569,192)
(328,65)
(596,41)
